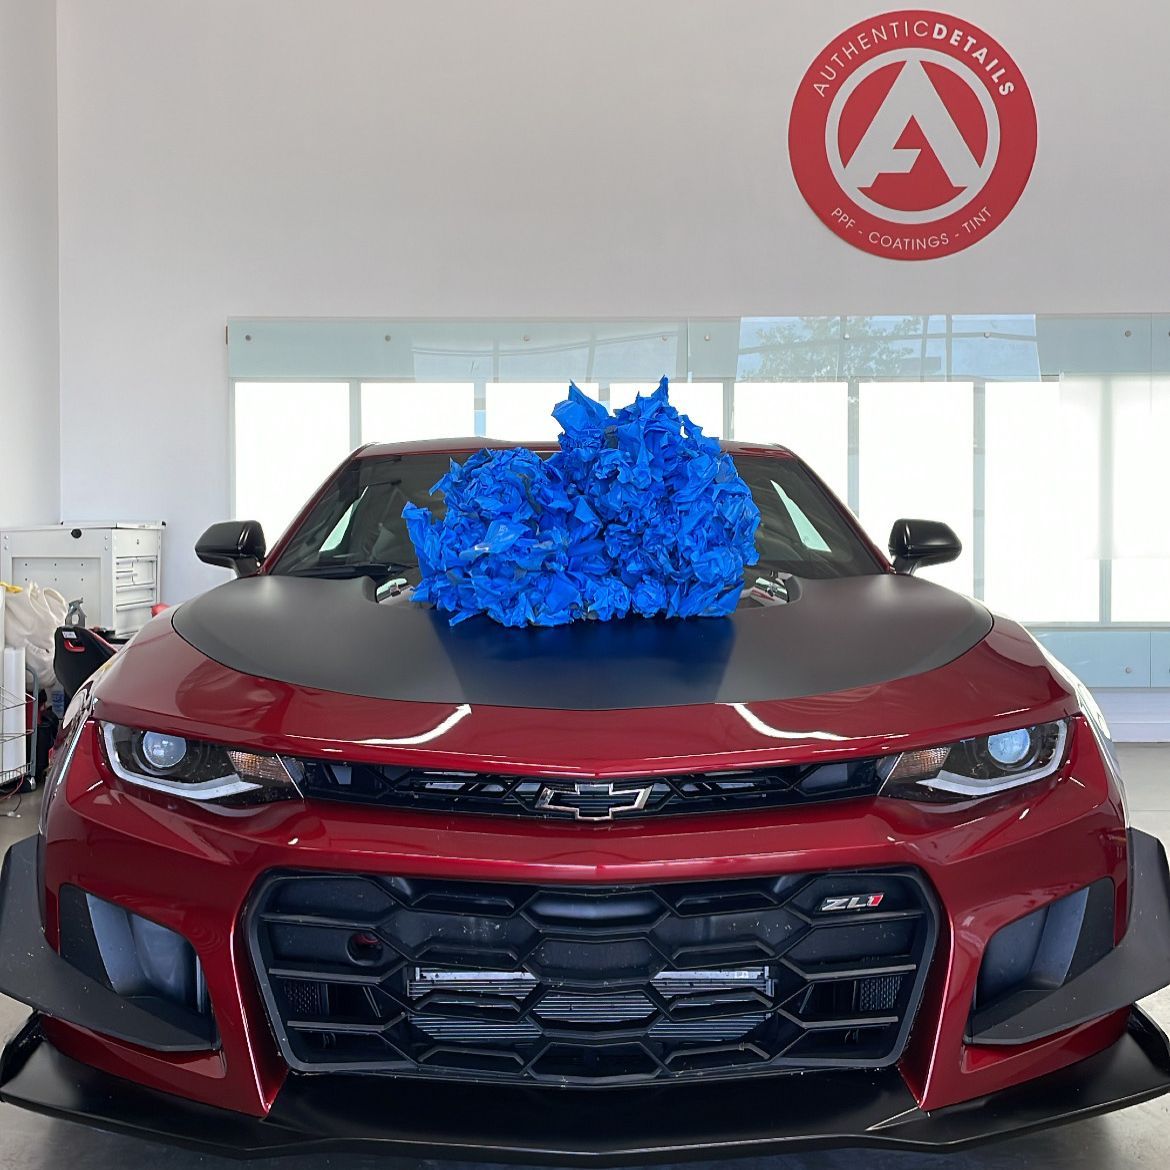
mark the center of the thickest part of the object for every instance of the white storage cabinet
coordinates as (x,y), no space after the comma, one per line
(113,568)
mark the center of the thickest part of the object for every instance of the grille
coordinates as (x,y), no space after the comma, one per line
(508,795)
(591,984)
(698,990)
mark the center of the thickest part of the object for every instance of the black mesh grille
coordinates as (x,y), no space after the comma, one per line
(585,984)
(510,795)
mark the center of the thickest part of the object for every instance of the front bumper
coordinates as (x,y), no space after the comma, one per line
(334,1114)
(1069,1053)
(327,1113)
(33,972)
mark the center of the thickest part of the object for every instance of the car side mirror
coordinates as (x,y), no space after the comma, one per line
(233,544)
(915,544)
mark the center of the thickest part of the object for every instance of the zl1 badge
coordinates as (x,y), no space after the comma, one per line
(851,902)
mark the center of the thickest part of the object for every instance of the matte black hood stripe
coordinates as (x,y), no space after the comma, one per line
(333,636)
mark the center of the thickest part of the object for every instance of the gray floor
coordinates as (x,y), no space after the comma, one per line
(1137,1137)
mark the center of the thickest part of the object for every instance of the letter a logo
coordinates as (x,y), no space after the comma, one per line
(912,135)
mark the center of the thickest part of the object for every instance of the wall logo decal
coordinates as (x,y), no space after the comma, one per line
(912,135)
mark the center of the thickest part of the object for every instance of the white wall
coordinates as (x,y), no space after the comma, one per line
(461,157)
(29,450)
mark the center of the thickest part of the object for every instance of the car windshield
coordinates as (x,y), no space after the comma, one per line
(356,527)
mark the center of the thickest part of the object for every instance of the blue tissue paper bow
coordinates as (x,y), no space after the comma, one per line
(638,512)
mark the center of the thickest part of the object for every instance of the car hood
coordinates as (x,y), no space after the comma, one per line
(864,666)
(334,636)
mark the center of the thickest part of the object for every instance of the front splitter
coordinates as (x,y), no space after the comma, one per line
(331,1114)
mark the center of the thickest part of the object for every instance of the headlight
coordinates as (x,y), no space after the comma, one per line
(197,770)
(980,766)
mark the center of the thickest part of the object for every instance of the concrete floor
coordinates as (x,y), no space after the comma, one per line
(1136,1137)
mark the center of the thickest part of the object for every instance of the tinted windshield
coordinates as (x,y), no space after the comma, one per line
(356,528)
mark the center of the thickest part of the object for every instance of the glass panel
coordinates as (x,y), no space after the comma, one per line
(523,410)
(1141,589)
(810,418)
(1041,500)
(995,358)
(773,349)
(992,324)
(1141,536)
(288,437)
(916,460)
(396,412)
(939,347)
(702,402)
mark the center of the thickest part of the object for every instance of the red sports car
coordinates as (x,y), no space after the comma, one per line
(319,870)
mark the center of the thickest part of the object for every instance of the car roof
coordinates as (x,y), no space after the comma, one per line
(472,444)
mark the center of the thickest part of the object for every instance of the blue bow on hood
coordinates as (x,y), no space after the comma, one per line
(638,512)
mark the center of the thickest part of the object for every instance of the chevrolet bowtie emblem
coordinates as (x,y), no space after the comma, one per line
(592,800)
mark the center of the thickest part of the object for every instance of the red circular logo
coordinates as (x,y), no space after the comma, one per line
(912,135)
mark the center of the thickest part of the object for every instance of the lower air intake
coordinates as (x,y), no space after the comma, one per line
(145,962)
(588,984)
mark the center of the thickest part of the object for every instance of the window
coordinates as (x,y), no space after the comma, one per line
(523,410)
(288,437)
(1140,546)
(809,418)
(1041,500)
(1041,439)
(916,460)
(398,412)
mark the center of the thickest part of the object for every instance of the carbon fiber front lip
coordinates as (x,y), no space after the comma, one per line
(331,1114)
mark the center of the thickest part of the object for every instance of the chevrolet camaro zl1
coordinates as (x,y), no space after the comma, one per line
(318,870)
